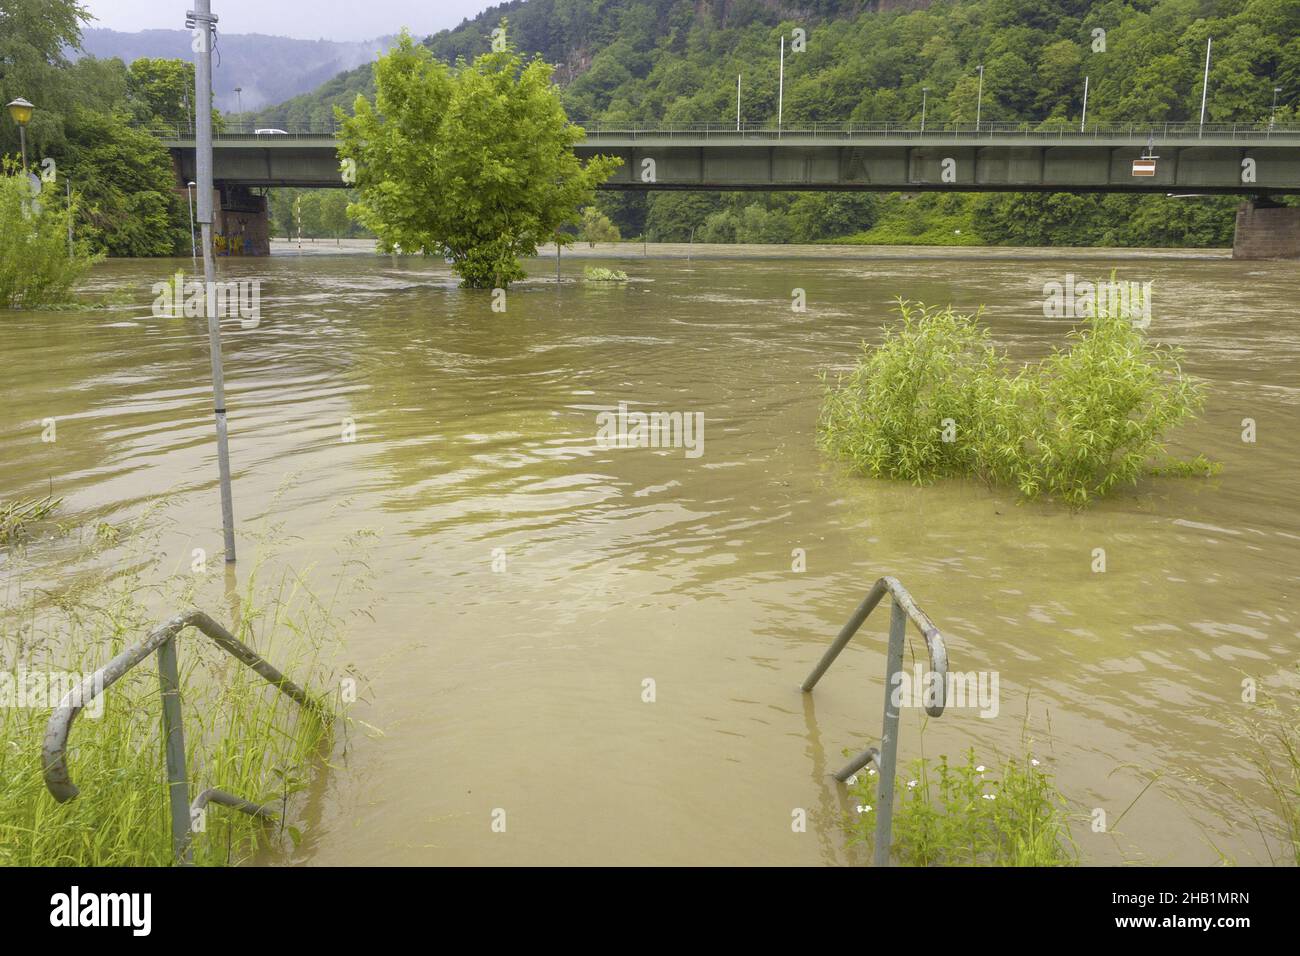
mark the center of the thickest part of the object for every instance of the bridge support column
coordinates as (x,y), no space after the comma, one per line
(243,224)
(1266,230)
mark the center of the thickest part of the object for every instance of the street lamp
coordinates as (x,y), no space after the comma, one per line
(21,111)
(979,100)
(925,91)
(1273,115)
(239,101)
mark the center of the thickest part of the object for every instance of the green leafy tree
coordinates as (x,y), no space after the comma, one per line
(474,161)
(162,91)
(597,227)
(125,177)
(333,213)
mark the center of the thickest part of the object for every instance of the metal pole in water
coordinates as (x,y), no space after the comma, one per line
(889,738)
(194,249)
(68,183)
(178,788)
(204,23)
(557,258)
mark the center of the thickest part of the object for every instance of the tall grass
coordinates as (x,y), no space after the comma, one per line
(35,266)
(963,814)
(935,399)
(241,734)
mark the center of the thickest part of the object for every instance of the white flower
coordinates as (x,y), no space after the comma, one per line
(871,772)
(862,809)
(911,784)
(1033,762)
(990,796)
(979,769)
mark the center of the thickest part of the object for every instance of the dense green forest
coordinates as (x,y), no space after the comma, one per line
(655,62)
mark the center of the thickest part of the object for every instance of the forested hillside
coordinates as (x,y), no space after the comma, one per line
(676,61)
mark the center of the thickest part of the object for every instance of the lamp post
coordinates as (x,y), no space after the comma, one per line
(21,111)
(1205,84)
(1083,120)
(925,92)
(239,104)
(780,88)
(979,99)
(1272,116)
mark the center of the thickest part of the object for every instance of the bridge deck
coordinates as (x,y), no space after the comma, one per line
(1216,160)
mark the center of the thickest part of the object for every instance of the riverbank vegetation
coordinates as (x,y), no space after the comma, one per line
(17,517)
(474,162)
(964,814)
(37,266)
(935,399)
(241,734)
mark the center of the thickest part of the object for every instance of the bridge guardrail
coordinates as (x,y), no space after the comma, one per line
(1136,132)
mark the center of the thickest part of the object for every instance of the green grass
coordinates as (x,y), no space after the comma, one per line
(16,517)
(241,734)
(936,400)
(963,814)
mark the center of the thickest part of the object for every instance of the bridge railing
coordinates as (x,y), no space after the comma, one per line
(1033,132)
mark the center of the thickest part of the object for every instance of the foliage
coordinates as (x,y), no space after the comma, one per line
(125,177)
(17,516)
(935,399)
(35,267)
(597,227)
(961,814)
(597,274)
(241,735)
(474,161)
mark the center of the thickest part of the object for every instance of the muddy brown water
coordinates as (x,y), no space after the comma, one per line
(523,689)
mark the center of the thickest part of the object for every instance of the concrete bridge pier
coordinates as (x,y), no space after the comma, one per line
(1266,230)
(241,221)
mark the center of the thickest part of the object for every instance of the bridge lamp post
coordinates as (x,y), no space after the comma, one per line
(1272,116)
(239,105)
(925,92)
(1205,84)
(780,88)
(979,98)
(1083,120)
(21,111)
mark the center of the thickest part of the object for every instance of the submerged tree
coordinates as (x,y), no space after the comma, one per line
(473,161)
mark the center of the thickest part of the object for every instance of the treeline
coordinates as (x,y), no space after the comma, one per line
(653,62)
(313,214)
(90,120)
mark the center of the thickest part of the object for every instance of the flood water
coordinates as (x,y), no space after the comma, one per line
(522,688)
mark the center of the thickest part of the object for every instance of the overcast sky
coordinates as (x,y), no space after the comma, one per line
(305,19)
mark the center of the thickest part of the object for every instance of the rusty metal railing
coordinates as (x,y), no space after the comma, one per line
(162,639)
(886,759)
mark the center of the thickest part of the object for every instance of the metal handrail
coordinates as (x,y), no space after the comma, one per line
(903,608)
(163,640)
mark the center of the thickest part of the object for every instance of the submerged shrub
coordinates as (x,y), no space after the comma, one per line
(965,815)
(935,400)
(35,268)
